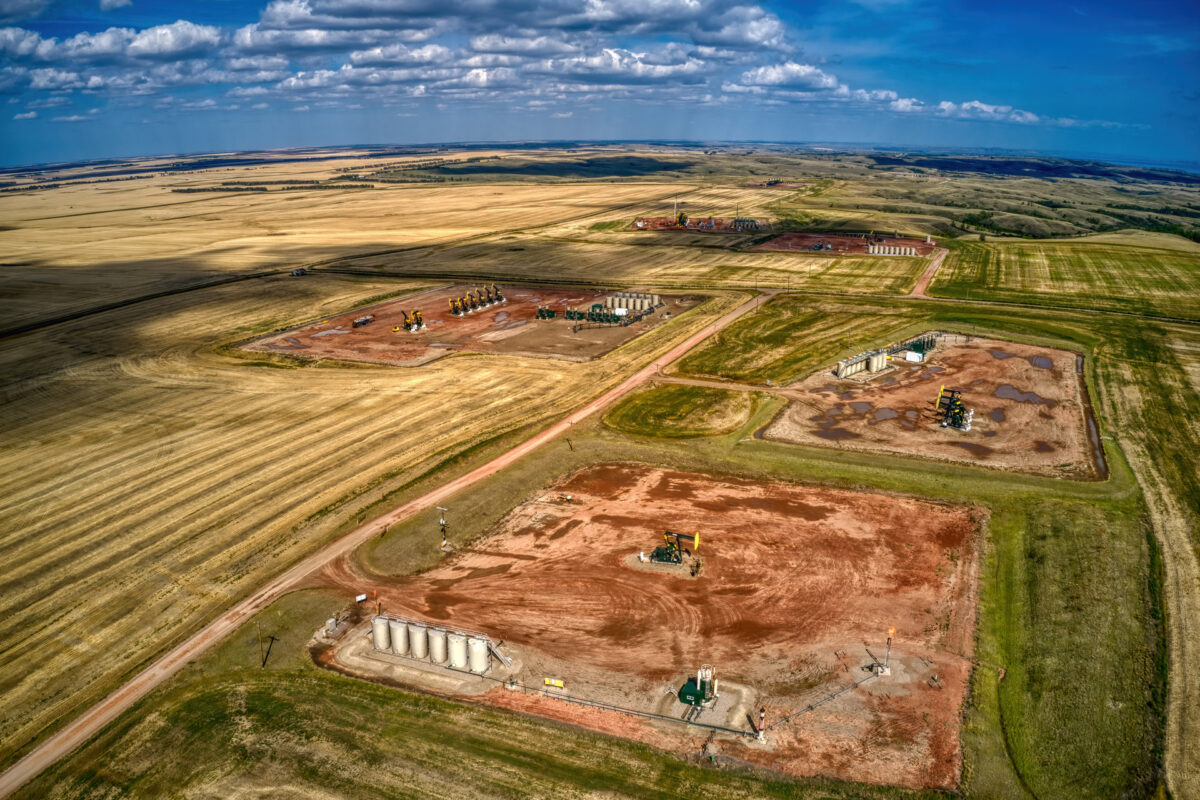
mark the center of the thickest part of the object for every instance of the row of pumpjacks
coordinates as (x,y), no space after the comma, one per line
(475,300)
(411,324)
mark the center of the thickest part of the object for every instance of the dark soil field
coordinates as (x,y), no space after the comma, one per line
(511,327)
(798,589)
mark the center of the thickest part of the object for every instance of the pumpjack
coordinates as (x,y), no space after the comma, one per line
(456,307)
(470,300)
(500,298)
(953,411)
(414,323)
(673,551)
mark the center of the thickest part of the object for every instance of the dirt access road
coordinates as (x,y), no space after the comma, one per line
(939,255)
(94,719)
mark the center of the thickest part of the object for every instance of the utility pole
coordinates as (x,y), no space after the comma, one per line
(442,522)
(262,658)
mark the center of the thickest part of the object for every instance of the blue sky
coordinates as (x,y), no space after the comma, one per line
(86,79)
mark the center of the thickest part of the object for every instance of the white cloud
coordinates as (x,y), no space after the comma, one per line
(906,105)
(513,52)
(870,95)
(51,78)
(744,26)
(26,115)
(72,118)
(261,62)
(48,102)
(522,45)
(974,109)
(179,38)
(248,91)
(618,66)
(111,5)
(790,75)
(256,39)
(563,115)
(402,54)
(19,43)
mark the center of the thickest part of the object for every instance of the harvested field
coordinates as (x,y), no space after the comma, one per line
(1028,404)
(1148,275)
(511,327)
(841,243)
(82,245)
(795,581)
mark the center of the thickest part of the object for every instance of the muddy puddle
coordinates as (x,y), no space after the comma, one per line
(886,413)
(1041,362)
(836,434)
(997,415)
(1007,391)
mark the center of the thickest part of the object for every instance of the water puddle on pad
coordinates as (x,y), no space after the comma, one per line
(1009,392)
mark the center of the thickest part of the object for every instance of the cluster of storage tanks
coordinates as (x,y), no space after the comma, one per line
(890,250)
(634,301)
(424,642)
(871,362)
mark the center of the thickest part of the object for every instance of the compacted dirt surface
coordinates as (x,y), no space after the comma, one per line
(698,225)
(511,327)
(797,590)
(809,242)
(1028,404)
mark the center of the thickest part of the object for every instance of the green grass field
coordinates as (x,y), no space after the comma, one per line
(792,335)
(680,412)
(1156,281)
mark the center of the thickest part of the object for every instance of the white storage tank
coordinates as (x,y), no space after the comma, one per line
(458,650)
(878,362)
(437,646)
(479,655)
(399,631)
(417,641)
(379,633)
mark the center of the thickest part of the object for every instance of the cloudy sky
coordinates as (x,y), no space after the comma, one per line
(96,78)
